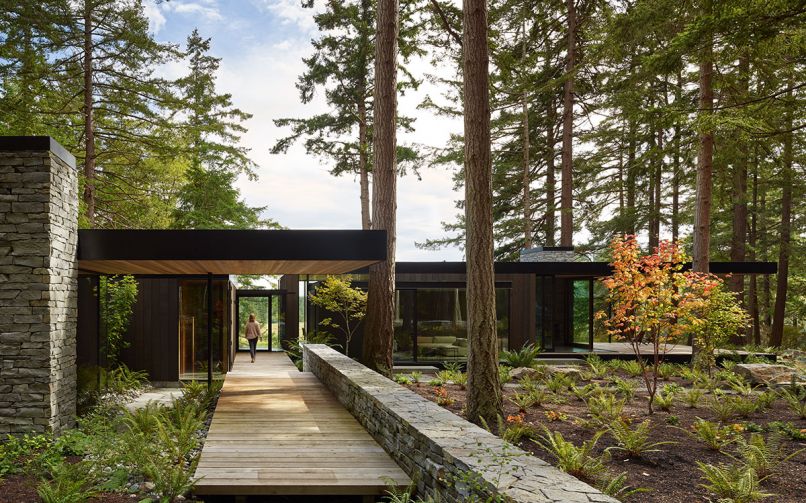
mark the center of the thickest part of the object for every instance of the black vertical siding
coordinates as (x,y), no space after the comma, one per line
(87,336)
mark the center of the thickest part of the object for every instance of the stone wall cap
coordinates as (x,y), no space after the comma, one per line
(39,143)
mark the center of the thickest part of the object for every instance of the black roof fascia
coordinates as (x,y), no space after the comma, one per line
(308,245)
(595,269)
(36,143)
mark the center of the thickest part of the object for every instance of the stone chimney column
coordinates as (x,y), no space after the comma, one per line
(38,285)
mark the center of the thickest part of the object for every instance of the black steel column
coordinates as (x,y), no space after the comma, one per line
(209,330)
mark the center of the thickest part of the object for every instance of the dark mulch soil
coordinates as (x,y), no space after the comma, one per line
(672,475)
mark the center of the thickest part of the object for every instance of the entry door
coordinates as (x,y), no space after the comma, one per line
(269,310)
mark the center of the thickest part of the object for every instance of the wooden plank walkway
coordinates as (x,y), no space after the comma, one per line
(278,431)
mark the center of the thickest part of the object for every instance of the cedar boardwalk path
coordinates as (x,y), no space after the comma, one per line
(278,431)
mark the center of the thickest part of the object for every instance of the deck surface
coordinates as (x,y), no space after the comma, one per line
(278,431)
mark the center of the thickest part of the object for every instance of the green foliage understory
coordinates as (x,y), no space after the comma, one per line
(731,440)
(150,452)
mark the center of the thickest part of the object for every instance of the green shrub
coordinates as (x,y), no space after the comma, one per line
(738,484)
(503,374)
(559,382)
(605,408)
(122,380)
(617,487)
(597,366)
(668,370)
(632,368)
(68,483)
(716,437)
(672,420)
(634,442)
(787,429)
(402,379)
(524,357)
(664,401)
(460,379)
(624,387)
(445,376)
(692,397)
(796,400)
(417,376)
(763,455)
(577,461)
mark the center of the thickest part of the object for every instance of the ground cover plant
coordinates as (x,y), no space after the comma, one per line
(720,437)
(113,454)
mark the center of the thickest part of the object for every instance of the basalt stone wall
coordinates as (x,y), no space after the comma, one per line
(38,285)
(448,458)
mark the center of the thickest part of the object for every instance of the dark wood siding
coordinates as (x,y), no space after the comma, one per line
(290,283)
(152,335)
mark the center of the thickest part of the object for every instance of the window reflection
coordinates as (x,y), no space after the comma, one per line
(193,361)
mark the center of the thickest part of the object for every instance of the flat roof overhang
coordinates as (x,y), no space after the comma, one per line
(595,269)
(186,252)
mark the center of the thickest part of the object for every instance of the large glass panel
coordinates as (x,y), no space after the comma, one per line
(441,324)
(403,349)
(502,317)
(580,322)
(259,306)
(193,319)
(277,321)
(600,303)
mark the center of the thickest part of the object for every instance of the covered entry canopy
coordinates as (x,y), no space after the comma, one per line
(229,251)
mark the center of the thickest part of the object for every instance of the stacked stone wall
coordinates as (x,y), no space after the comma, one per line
(448,457)
(38,289)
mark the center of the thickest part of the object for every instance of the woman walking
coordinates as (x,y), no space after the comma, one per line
(252,335)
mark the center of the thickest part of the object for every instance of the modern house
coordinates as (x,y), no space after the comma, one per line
(180,332)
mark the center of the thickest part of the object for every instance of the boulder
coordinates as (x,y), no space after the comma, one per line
(766,373)
(570,370)
(521,372)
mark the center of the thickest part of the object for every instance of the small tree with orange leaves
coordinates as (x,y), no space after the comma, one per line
(645,293)
(655,303)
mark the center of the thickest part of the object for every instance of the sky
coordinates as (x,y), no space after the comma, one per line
(261,44)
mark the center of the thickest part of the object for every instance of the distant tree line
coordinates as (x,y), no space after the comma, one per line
(153,152)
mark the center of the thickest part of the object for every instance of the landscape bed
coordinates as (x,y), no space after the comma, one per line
(584,403)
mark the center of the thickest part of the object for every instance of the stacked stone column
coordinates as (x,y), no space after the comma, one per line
(38,285)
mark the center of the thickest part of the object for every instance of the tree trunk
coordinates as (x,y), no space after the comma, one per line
(631,181)
(483,387)
(567,189)
(363,170)
(678,90)
(777,331)
(89,120)
(752,294)
(705,158)
(379,331)
(764,245)
(738,248)
(551,182)
(527,177)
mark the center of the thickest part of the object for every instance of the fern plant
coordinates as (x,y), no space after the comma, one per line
(596,366)
(617,487)
(716,437)
(692,397)
(734,483)
(559,382)
(634,442)
(525,401)
(763,455)
(524,357)
(605,408)
(796,401)
(578,461)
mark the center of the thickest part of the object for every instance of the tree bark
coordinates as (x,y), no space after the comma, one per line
(89,120)
(777,331)
(363,169)
(551,182)
(738,248)
(363,146)
(705,158)
(379,331)
(527,176)
(631,181)
(567,189)
(483,387)
(752,294)
(764,245)
(676,166)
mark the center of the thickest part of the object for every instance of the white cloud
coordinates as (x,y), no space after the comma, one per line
(206,9)
(155,18)
(291,12)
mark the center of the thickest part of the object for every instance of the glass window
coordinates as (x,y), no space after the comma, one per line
(580,322)
(193,321)
(600,303)
(259,306)
(441,324)
(403,349)
(502,317)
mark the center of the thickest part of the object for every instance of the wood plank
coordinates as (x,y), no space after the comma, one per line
(277,431)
